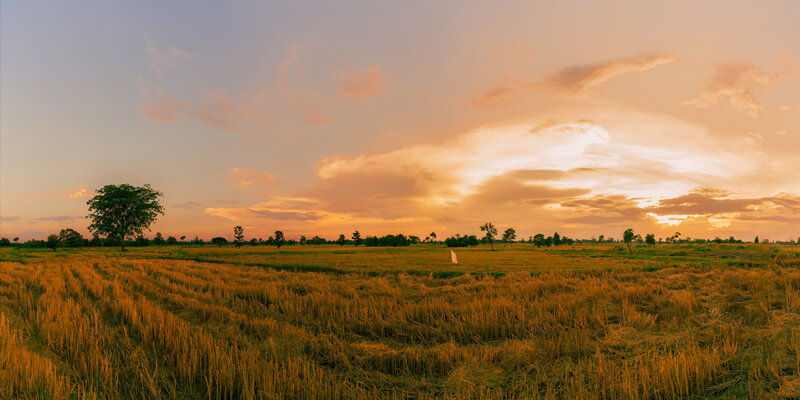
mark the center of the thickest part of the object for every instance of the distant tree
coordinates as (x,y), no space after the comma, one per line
(303,240)
(238,236)
(197,240)
(158,240)
(357,238)
(123,210)
(5,242)
(413,239)
(219,240)
(600,238)
(538,240)
(16,240)
(433,236)
(70,238)
(183,238)
(556,239)
(756,241)
(628,237)
(650,239)
(52,242)
(548,241)
(141,241)
(509,235)
(491,232)
(96,241)
(341,240)
(279,240)
(172,241)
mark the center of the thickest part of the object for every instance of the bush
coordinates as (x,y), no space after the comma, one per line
(219,240)
(462,241)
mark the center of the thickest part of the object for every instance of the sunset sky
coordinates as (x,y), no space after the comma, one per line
(582,117)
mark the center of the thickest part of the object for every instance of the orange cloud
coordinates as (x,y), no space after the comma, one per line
(736,83)
(254,112)
(357,85)
(579,79)
(170,57)
(244,177)
(494,97)
(79,194)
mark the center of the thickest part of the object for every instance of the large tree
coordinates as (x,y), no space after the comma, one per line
(119,211)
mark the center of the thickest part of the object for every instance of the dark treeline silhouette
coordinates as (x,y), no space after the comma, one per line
(70,238)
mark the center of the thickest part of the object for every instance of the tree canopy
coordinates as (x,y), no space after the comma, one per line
(123,210)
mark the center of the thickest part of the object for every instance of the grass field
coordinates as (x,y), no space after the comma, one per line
(330,322)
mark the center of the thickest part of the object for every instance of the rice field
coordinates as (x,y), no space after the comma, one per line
(331,322)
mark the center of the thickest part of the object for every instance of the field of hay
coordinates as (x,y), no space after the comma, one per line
(330,322)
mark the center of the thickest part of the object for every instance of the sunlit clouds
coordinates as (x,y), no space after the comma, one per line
(578,80)
(358,85)
(572,81)
(290,102)
(736,84)
(244,177)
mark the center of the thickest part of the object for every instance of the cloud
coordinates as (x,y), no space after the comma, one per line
(579,79)
(357,85)
(10,218)
(189,205)
(244,177)
(171,57)
(785,108)
(493,97)
(735,83)
(609,168)
(59,218)
(79,194)
(252,112)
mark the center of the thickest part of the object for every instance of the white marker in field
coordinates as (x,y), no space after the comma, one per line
(453,257)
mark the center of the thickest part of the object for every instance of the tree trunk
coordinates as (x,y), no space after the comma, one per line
(491,244)
(123,243)
(629,248)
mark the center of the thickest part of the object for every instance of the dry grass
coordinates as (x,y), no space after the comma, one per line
(88,325)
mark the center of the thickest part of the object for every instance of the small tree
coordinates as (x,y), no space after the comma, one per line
(556,239)
(756,241)
(628,237)
(123,210)
(172,240)
(158,240)
(491,232)
(219,241)
(433,236)
(341,240)
(5,242)
(279,239)
(70,238)
(238,236)
(509,235)
(538,240)
(183,238)
(303,240)
(650,239)
(52,242)
(357,237)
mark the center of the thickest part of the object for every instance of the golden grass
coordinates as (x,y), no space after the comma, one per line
(92,326)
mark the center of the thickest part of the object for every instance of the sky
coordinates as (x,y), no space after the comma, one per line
(412,117)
